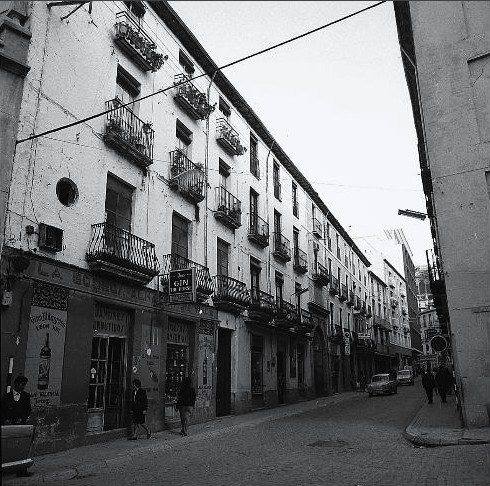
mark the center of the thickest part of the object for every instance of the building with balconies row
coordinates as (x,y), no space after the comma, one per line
(152,246)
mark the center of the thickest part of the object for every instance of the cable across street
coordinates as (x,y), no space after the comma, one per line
(233,63)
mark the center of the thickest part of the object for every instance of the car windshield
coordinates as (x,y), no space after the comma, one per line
(381,378)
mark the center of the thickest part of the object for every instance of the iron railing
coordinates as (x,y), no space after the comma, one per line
(343,295)
(228,137)
(282,247)
(262,302)
(300,264)
(204,282)
(334,285)
(258,230)
(317,227)
(319,274)
(132,39)
(119,247)
(228,208)
(185,176)
(190,99)
(351,300)
(357,304)
(287,313)
(230,290)
(128,134)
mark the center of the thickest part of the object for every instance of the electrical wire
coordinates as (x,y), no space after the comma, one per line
(233,63)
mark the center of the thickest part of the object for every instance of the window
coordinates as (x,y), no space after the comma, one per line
(118,203)
(297,292)
(330,316)
(255,270)
(279,287)
(330,266)
(329,241)
(254,159)
(184,137)
(295,242)
(340,317)
(346,261)
(295,199)
(338,276)
(338,245)
(224,107)
(277,224)
(223,252)
(185,62)
(180,236)
(348,321)
(127,89)
(137,8)
(275,179)
(224,174)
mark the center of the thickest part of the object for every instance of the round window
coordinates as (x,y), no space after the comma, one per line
(67,191)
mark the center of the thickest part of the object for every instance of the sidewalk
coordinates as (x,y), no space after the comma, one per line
(439,424)
(87,460)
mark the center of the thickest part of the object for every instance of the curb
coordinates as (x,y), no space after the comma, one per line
(92,468)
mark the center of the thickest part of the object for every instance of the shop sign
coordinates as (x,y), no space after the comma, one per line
(177,332)
(111,321)
(182,285)
(46,345)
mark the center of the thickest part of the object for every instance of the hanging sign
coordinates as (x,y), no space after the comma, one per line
(182,285)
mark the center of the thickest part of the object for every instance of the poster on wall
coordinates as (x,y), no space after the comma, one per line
(205,369)
(46,345)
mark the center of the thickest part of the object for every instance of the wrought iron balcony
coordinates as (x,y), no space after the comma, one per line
(262,305)
(393,302)
(190,99)
(351,299)
(319,274)
(300,262)
(287,315)
(363,308)
(228,208)
(317,228)
(258,232)
(318,309)
(186,177)
(230,294)
(128,134)
(116,252)
(204,282)
(282,248)
(306,319)
(343,296)
(334,285)
(228,137)
(136,43)
(381,322)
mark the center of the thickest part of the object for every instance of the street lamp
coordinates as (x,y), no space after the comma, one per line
(412,214)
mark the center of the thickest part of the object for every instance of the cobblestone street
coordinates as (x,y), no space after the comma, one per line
(353,442)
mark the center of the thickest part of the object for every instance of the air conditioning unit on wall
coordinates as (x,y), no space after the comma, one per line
(50,238)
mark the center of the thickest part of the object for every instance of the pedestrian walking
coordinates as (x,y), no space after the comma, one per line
(139,406)
(186,399)
(16,405)
(429,384)
(444,380)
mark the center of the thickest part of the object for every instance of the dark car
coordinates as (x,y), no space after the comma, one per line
(405,377)
(17,447)
(382,384)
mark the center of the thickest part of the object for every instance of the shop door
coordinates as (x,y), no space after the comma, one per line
(257,371)
(223,385)
(281,375)
(176,368)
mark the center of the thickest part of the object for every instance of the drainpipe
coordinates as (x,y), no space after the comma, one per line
(206,184)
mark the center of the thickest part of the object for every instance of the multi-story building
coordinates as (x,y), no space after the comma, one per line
(445,52)
(424,293)
(429,326)
(169,236)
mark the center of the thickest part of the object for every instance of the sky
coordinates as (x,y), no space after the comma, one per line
(336,101)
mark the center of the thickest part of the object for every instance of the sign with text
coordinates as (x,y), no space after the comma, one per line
(182,285)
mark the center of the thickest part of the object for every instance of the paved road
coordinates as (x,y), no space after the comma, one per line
(357,442)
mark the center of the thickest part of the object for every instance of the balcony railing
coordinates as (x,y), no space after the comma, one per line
(228,137)
(258,232)
(351,299)
(358,304)
(262,305)
(115,251)
(190,99)
(204,282)
(334,285)
(282,248)
(343,296)
(186,177)
(381,322)
(230,294)
(300,264)
(136,43)
(317,228)
(228,208)
(128,134)
(287,315)
(320,274)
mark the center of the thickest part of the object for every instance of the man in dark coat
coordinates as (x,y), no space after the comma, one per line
(444,380)
(16,405)
(186,398)
(139,406)
(429,384)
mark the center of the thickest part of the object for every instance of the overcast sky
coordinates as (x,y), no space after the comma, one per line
(336,101)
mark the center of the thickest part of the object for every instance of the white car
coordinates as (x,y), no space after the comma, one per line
(17,447)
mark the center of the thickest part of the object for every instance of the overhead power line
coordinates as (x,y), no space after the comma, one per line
(233,63)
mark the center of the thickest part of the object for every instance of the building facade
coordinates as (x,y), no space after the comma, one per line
(446,52)
(424,293)
(170,236)
(429,326)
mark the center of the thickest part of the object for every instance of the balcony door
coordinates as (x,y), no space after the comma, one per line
(255,278)
(277,230)
(254,210)
(223,252)
(180,241)
(296,244)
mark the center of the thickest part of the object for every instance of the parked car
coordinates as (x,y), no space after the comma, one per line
(17,447)
(382,384)
(405,377)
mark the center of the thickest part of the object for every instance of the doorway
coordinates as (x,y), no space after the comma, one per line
(223,383)
(257,371)
(318,355)
(281,376)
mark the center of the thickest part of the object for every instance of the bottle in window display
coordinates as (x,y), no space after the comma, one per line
(44,365)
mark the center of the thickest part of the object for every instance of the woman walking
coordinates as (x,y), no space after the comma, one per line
(139,406)
(186,399)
